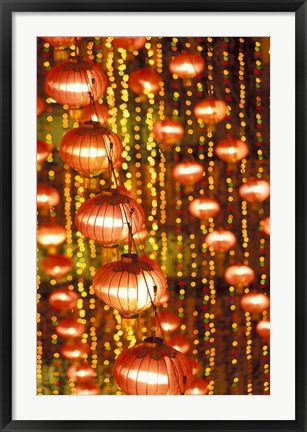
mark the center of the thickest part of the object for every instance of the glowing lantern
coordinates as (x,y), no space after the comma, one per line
(180,343)
(204,208)
(263,328)
(168,131)
(59,42)
(70,328)
(197,386)
(129,285)
(164,299)
(81,373)
(87,389)
(144,81)
(72,81)
(152,368)
(63,299)
(87,148)
(187,65)
(255,302)
(210,110)
(255,190)
(95,112)
(75,350)
(195,366)
(43,151)
(47,196)
(140,235)
(266,226)
(188,172)
(167,322)
(231,149)
(239,275)
(40,106)
(57,265)
(129,43)
(51,234)
(221,240)
(105,217)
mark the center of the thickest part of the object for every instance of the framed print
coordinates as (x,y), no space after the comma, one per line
(153,215)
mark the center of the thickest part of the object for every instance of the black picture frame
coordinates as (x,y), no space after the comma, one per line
(7,10)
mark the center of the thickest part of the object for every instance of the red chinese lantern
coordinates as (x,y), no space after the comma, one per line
(140,236)
(75,350)
(81,373)
(255,190)
(195,365)
(43,151)
(63,299)
(197,386)
(152,368)
(263,329)
(204,208)
(164,299)
(188,172)
(266,227)
(57,265)
(255,302)
(95,112)
(221,240)
(87,148)
(51,234)
(59,42)
(70,328)
(105,217)
(180,343)
(144,81)
(87,389)
(40,106)
(129,285)
(129,43)
(71,82)
(239,275)
(167,322)
(231,149)
(168,131)
(187,65)
(210,110)
(47,196)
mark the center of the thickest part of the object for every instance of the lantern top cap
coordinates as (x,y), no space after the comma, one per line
(153,341)
(128,257)
(92,123)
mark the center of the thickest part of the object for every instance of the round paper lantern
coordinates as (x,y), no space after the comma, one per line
(255,190)
(204,208)
(167,322)
(152,368)
(231,150)
(81,373)
(188,172)
(47,196)
(104,217)
(59,42)
(87,148)
(187,65)
(210,110)
(164,299)
(221,240)
(63,299)
(40,106)
(57,265)
(195,365)
(180,343)
(43,151)
(140,236)
(72,81)
(74,350)
(70,328)
(239,275)
(255,302)
(144,81)
(129,285)
(263,329)
(129,43)
(198,386)
(168,131)
(51,234)
(266,226)
(95,112)
(87,389)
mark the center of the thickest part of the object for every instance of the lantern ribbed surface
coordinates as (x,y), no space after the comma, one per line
(104,217)
(239,275)
(231,149)
(87,148)
(128,284)
(188,172)
(168,131)
(152,368)
(187,65)
(210,110)
(71,82)
(95,112)
(255,190)
(203,208)
(144,81)
(221,240)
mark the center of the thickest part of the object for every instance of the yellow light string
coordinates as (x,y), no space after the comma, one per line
(39,350)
